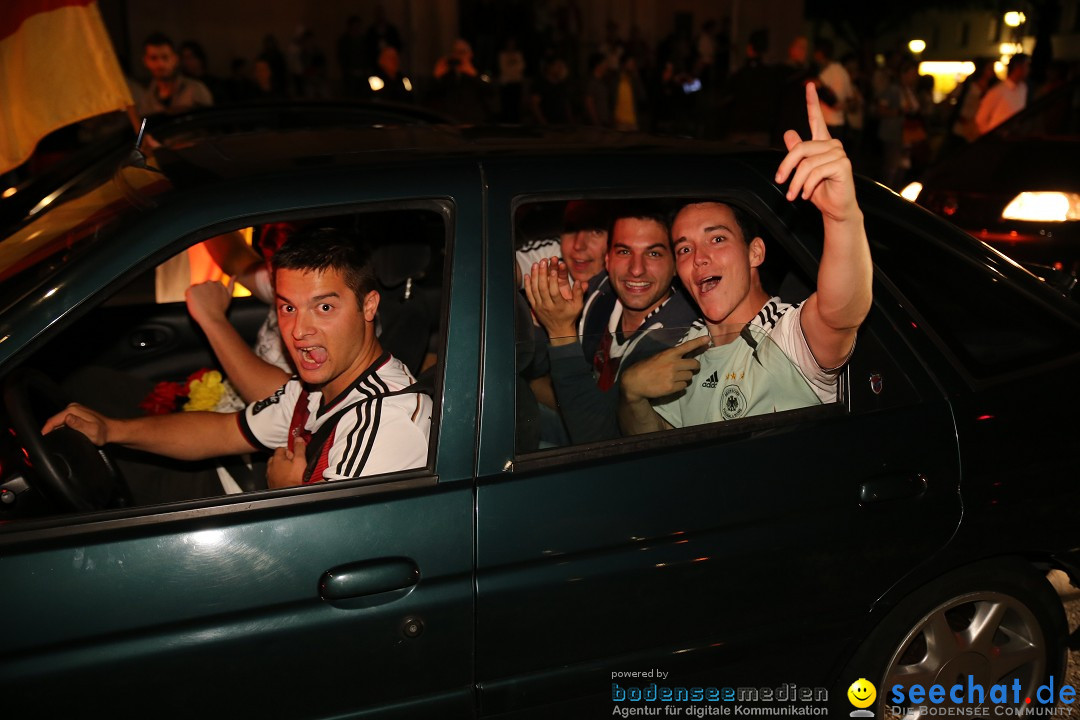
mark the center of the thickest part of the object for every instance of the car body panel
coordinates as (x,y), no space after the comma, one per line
(501,584)
(209,598)
(639,557)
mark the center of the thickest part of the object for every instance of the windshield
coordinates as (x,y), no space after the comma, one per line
(93,206)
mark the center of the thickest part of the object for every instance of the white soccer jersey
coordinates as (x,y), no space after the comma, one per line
(536,250)
(377,435)
(767,369)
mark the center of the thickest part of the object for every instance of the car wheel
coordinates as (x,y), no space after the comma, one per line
(996,623)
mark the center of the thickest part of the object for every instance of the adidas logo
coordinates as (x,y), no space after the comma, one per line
(712,382)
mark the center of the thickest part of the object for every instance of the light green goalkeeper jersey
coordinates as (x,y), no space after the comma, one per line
(768,368)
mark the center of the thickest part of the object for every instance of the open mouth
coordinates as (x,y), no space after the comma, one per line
(706,285)
(637,286)
(311,358)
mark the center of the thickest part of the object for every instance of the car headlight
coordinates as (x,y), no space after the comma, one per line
(1044,207)
(911,191)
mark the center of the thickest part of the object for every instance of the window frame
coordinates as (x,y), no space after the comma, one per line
(801,260)
(927,329)
(54,527)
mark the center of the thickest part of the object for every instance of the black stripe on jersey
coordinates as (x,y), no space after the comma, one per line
(362,438)
(537,244)
(359,428)
(694,327)
(357,439)
(354,468)
(768,315)
(378,385)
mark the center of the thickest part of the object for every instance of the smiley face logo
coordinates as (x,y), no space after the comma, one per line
(862,693)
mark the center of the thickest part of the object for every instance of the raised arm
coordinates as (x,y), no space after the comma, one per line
(820,172)
(184,435)
(253,377)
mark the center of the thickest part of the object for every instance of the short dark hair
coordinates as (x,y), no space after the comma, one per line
(641,210)
(326,248)
(748,224)
(581,215)
(158,38)
(1017,60)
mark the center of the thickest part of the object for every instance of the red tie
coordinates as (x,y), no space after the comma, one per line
(606,366)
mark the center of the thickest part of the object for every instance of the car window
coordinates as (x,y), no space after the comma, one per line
(1011,329)
(568,383)
(137,358)
(94,206)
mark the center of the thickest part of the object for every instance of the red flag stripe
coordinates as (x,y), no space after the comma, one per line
(13,13)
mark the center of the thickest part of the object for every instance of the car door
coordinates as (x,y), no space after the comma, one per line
(317,602)
(742,552)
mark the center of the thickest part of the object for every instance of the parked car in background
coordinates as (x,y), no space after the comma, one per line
(903,529)
(1016,187)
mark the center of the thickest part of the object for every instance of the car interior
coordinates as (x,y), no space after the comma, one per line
(539,423)
(129,352)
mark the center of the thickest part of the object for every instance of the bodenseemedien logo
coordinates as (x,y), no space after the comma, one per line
(862,694)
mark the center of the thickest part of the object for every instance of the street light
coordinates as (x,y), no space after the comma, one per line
(1015,19)
(917,46)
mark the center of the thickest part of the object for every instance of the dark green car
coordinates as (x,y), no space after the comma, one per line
(903,533)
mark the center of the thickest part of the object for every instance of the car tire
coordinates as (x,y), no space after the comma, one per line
(994,621)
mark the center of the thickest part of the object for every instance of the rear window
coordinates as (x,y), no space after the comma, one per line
(1009,327)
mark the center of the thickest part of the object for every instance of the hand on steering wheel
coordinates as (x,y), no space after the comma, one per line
(73,472)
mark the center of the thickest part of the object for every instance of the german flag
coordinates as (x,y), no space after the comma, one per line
(57,67)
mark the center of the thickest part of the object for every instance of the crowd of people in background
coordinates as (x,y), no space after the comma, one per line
(882,108)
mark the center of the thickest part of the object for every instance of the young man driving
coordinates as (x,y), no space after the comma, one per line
(349,412)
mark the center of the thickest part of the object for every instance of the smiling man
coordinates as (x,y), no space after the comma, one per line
(350,412)
(756,354)
(626,315)
(582,243)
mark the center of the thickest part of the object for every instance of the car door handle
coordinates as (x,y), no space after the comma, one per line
(894,487)
(368,577)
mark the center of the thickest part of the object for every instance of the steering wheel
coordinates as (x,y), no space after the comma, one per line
(74,472)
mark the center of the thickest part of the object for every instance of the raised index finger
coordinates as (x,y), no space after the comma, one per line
(818,129)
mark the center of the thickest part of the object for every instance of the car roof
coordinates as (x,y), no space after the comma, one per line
(241,155)
(215,121)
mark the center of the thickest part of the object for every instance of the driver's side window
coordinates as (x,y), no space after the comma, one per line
(143,353)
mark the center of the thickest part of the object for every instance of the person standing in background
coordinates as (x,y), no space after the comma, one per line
(169,90)
(832,74)
(1006,98)
(511,80)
